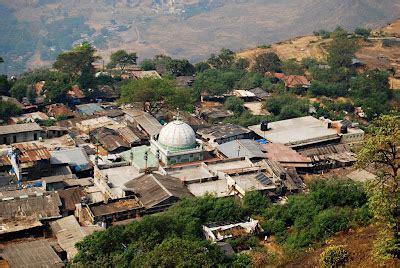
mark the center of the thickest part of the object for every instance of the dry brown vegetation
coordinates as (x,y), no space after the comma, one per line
(358,242)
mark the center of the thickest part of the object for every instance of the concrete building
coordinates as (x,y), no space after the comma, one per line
(299,132)
(176,144)
(309,131)
(231,229)
(20,133)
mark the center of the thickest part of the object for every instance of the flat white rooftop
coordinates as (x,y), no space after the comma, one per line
(297,131)
(190,173)
(118,176)
(225,165)
(219,188)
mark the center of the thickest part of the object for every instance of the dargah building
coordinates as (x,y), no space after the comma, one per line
(176,144)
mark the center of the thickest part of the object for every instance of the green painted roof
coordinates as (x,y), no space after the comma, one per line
(138,156)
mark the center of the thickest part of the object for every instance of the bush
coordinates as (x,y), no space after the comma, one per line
(334,256)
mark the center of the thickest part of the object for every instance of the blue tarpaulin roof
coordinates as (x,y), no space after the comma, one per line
(262,141)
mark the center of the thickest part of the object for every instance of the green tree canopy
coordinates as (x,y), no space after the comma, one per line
(201,66)
(216,82)
(364,32)
(19,89)
(5,85)
(341,51)
(269,61)
(122,58)
(180,67)
(148,65)
(292,67)
(223,61)
(8,109)
(235,105)
(287,106)
(382,150)
(78,61)
(178,252)
(155,94)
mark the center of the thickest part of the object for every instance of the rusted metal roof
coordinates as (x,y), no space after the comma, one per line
(31,152)
(284,154)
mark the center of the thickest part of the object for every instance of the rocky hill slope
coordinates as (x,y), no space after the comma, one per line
(35,31)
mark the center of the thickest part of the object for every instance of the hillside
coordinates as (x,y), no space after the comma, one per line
(373,52)
(359,243)
(35,31)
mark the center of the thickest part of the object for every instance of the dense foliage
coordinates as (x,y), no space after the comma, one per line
(331,206)
(8,109)
(121,58)
(156,238)
(174,235)
(381,150)
(156,94)
(334,256)
(287,106)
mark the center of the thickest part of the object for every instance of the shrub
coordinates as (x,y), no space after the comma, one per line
(334,256)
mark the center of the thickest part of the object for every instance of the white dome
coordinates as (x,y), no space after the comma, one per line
(177,134)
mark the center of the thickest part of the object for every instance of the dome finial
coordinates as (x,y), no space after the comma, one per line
(177,116)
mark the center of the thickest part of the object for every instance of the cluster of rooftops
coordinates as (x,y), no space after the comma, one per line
(105,164)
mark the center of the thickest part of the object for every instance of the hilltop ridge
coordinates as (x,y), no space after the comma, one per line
(186,29)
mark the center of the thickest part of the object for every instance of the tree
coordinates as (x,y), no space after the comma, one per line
(78,61)
(19,89)
(267,62)
(122,58)
(223,61)
(334,256)
(155,94)
(216,82)
(362,32)
(255,202)
(8,109)
(180,67)
(148,65)
(251,80)
(201,67)
(292,67)
(341,51)
(177,252)
(235,105)
(241,64)
(1,59)
(382,150)
(5,85)
(56,90)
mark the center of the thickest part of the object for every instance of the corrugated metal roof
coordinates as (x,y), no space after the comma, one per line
(241,148)
(31,152)
(149,124)
(115,207)
(19,128)
(68,233)
(223,131)
(38,253)
(284,154)
(89,108)
(152,189)
(27,211)
(128,135)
